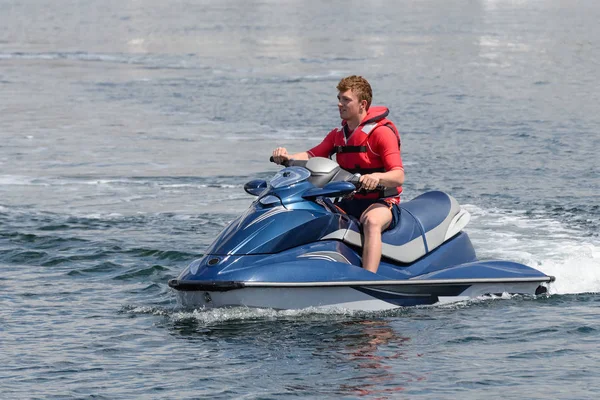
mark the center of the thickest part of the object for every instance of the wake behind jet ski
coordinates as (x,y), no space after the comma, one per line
(293,249)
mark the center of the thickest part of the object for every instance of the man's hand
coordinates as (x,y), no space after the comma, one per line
(280,155)
(370,181)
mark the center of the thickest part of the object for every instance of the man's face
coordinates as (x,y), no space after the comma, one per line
(349,106)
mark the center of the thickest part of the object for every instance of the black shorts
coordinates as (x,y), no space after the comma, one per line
(356,207)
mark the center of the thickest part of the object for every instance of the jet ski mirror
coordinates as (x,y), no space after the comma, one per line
(255,187)
(333,189)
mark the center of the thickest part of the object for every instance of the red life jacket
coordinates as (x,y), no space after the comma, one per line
(355,155)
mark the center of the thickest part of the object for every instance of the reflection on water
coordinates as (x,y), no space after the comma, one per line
(356,356)
(377,349)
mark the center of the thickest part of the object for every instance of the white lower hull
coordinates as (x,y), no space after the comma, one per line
(341,297)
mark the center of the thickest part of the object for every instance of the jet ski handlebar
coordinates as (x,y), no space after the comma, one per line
(291,163)
(271,159)
(359,189)
(354,179)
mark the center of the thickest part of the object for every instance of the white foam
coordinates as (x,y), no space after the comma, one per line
(100,216)
(197,186)
(579,273)
(208,316)
(542,243)
(17,180)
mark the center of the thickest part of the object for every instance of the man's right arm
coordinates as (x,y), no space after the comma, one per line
(323,149)
(300,156)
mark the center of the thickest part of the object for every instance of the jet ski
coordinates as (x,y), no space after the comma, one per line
(294,249)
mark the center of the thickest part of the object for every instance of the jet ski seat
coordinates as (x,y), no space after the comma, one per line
(425,223)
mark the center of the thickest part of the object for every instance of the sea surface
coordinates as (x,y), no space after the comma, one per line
(127,131)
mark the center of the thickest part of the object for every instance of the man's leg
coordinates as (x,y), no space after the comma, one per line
(374,220)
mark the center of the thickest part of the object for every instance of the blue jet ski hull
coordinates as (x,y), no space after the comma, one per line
(294,249)
(321,276)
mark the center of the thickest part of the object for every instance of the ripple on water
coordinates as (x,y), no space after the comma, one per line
(137,273)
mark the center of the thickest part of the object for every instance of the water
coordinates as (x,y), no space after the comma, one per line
(129,128)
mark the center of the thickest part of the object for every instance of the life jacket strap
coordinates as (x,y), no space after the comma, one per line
(349,149)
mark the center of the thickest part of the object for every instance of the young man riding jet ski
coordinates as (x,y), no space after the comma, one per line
(367,143)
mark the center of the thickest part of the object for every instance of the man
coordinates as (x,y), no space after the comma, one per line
(369,144)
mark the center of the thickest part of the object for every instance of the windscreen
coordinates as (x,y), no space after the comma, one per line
(289,176)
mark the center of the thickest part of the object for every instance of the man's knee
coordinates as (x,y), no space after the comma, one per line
(376,219)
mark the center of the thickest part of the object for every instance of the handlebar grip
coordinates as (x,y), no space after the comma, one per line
(379,188)
(286,163)
(356,181)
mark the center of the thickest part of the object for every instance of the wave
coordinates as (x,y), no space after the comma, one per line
(331,76)
(170,255)
(570,252)
(225,182)
(202,317)
(212,316)
(136,272)
(150,61)
(180,62)
(18,180)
